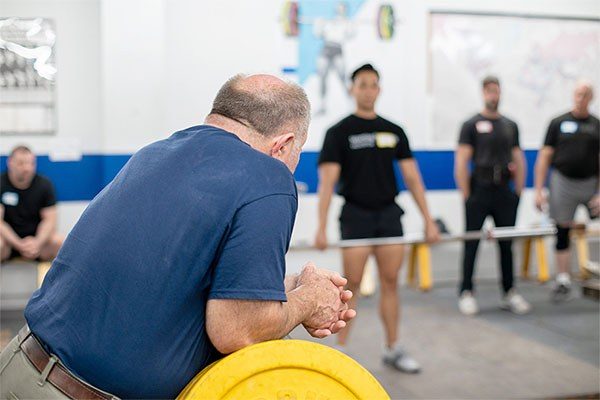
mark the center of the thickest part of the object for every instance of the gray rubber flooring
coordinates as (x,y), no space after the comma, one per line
(554,352)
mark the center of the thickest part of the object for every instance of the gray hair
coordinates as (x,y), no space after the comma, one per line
(267,110)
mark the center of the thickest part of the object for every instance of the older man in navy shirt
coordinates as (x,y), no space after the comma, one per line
(180,259)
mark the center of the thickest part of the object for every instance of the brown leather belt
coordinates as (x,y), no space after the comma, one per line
(58,376)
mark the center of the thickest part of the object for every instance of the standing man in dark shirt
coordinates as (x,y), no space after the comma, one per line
(28,208)
(358,154)
(491,142)
(571,146)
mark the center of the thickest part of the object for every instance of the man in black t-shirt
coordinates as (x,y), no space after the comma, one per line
(490,141)
(571,146)
(28,208)
(358,154)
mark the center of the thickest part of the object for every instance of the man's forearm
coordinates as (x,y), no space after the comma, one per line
(255,321)
(521,171)
(325,195)
(462,179)
(45,229)
(416,188)
(9,234)
(540,173)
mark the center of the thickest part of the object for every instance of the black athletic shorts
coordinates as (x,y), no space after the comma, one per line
(362,223)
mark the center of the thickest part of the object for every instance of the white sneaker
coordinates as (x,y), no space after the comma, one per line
(515,303)
(398,359)
(467,303)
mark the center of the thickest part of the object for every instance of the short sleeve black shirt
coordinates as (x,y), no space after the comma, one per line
(22,207)
(492,140)
(366,150)
(576,144)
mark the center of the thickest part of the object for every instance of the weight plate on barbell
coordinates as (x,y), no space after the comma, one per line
(284,369)
(290,18)
(386,22)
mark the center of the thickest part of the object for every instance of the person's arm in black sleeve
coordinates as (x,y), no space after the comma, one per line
(330,166)
(462,157)
(542,164)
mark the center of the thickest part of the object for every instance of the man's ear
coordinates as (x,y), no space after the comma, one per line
(282,144)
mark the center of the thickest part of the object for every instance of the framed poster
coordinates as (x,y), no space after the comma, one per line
(27,76)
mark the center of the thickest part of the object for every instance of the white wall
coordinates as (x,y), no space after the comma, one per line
(78,105)
(133,71)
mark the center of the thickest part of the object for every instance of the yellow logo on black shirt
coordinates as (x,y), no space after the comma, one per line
(386,140)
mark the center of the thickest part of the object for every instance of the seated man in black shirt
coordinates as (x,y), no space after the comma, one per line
(28,209)
(571,146)
(359,154)
(491,142)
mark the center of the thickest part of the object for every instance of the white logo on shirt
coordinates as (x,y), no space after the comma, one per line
(568,127)
(362,141)
(381,140)
(10,198)
(484,127)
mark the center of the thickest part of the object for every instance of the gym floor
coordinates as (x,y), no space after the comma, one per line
(551,353)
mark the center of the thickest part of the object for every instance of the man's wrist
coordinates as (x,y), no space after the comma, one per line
(304,300)
(290,282)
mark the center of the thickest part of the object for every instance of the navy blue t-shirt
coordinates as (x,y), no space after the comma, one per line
(198,216)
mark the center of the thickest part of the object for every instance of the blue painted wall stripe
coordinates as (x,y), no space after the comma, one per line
(82,180)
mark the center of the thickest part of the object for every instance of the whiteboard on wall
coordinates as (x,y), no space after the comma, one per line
(537,59)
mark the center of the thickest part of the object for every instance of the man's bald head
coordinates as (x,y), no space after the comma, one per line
(265,104)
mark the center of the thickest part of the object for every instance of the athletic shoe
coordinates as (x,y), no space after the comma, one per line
(515,303)
(560,293)
(398,359)
(467,303)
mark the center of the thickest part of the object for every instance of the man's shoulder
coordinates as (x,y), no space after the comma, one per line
(269,176)
(508,121)
(562,117)
(259,173)
(4,182)
(342,125)
(389,125)
(473,120)
(42,182)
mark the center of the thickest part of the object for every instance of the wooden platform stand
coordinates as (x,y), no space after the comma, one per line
(419,263)
(541,257)
(419,258)
(419,274)
(42,269)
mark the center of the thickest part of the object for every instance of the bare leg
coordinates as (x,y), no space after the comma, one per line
(563,261)
(389,262)
(5,250)
(354,260)
(50,249)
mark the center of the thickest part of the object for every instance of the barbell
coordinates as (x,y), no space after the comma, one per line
(292,20)
(502,233)
(284,370)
